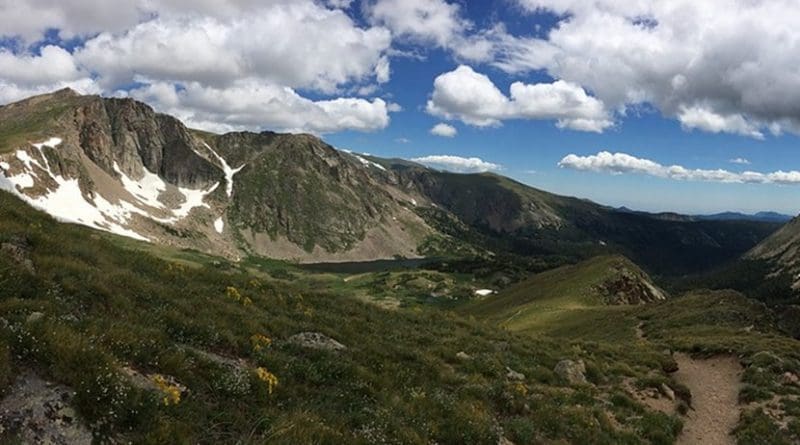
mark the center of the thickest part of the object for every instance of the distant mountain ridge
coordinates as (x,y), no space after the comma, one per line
(759,216)
(765,216)
(117,165)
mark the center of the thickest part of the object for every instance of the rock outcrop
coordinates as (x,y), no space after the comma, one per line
(573,372)
(39,412)
(316,340)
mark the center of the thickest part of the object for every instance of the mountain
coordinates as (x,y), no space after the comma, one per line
(117,165)
(781,251)
(509,216)
(760,216)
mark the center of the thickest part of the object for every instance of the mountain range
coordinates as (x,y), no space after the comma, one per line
(117,165)
(441,307)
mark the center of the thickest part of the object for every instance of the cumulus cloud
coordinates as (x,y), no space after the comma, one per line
(444,130)
(740,161)
(300,52)
(473,98)
(251,104)
(716,65)
(458,164)
(422,21)
(622,163)
(254,59)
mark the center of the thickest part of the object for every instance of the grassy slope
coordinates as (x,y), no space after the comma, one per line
(560,304)
(399,381)
(20,124)
(561,301)
(725,322)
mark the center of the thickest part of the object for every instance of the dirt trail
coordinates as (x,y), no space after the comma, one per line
(715,384)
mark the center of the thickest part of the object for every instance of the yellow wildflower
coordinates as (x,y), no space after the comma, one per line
(267,377)
(260,342)
(520,389)
(237,296)
(233,293)
(172,394)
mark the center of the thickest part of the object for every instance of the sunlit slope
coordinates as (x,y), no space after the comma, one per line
(573,300)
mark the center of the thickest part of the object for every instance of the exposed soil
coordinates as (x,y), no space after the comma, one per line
(715,384)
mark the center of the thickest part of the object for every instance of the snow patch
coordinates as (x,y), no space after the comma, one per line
(193,198)
(52,143)
(22,180)
(368,163)
(147,190)
(66,202)
(219,225)
(229,172)
(484,292)
(4,165)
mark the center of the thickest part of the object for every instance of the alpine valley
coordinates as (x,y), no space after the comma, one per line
(161,284)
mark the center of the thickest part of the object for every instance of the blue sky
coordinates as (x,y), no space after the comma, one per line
(649,113)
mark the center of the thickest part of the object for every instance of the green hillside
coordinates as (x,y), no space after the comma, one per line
(212,346)
(572,300)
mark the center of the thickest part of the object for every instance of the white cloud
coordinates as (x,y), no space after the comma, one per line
(715,65)
(10,92)
(30,19)
(740,161)
(219,64)
(53,64)
(458,164)
(706,119)
(300,52)
(473,98)
(251,104)
(444,130)
(341,4)
(621,163)
(421,21)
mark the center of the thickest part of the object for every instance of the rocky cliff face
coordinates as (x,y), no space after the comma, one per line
(111,164)
(134,136)
(116,165)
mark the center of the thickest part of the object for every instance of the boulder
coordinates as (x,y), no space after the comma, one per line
(40,412)
(316,340)
(463,356)
(514,375)
(573,372)
(34,317)
(667,391)
(18,250)
(790,378)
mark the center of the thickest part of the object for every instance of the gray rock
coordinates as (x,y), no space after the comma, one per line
(34,317)
(667,391)
(571,371)
(18,250)
(790,378)
(39,412)
(514,375)
(503,440)
(463,356)
(316,340)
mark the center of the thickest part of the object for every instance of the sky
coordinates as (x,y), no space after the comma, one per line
(657,105)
